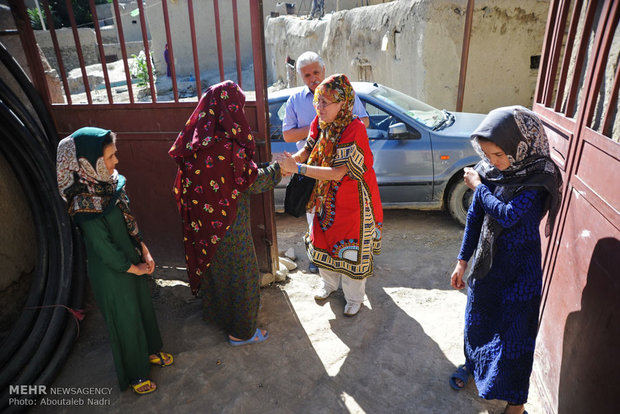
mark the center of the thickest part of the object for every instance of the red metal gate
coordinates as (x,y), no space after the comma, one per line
(577,96)
(146,130)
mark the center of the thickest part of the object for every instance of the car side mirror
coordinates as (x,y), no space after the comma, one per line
(399,131)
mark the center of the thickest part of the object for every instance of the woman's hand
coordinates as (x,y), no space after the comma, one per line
(147,259)
(287,163)
(139,269)
(456,279)
(471,178)
(301,156)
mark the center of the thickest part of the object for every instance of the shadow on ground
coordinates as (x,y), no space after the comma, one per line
(393,357)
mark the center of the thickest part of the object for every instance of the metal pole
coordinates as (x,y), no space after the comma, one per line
(40,14)
(465,54)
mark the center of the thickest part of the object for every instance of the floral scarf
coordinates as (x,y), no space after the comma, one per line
(336,88)
(521,135)
(214,153)
(85,183)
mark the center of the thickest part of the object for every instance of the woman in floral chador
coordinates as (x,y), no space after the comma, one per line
(346,233)
(514,185)
(215,179)
(118,259)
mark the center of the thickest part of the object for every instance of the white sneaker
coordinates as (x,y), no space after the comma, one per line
(322,293)
(351,309)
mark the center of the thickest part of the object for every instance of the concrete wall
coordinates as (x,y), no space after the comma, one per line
(303,7)
(415,46)
(205,34)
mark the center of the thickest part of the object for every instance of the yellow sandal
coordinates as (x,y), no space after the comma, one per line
(139,384)
(163,359)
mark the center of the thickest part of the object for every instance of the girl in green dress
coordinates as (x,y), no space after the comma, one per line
(117,256)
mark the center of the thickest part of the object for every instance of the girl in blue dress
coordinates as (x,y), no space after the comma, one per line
(514,185)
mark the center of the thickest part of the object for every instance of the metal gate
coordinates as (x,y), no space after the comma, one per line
(147,123)
(577,96)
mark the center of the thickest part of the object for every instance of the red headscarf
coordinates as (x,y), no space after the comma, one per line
(214,153)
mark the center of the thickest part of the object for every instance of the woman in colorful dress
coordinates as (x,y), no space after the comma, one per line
(514,185)
(216,176)
(346,232)
(118,259)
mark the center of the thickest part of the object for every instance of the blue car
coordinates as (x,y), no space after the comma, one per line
(419,151)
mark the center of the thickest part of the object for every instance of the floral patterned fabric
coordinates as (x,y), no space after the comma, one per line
(214,153)
(336,88)
(86,184)
(230,286)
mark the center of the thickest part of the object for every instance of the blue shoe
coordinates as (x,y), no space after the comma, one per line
(312,268)
(257,338)
(462,374)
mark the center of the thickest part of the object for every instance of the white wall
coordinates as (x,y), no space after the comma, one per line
(415,46)
(205,34)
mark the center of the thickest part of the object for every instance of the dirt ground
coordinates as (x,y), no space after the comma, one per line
(393,357)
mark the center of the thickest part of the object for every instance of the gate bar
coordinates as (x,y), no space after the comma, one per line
(192,30)
(78,49)
(237,51)
(104,65)
(218,37)
(121,41)
(556,45)
(570,40)
(579,69)
(147,51)
(61,66)
(164,6)
(611,18)
(26,36)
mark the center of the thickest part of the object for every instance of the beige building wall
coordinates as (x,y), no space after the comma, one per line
(415,46)
(205,35)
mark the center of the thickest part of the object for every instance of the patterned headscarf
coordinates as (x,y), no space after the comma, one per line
(521,135)
(214,153)
(335,88)
(86,184)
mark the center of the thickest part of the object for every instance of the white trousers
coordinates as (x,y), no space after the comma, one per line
(310,219)
(354,290)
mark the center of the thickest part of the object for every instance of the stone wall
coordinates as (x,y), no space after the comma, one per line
(66,42)
(415,46)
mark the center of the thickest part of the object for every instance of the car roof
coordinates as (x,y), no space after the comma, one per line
(360,87)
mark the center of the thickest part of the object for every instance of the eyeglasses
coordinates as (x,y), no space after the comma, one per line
(322,103)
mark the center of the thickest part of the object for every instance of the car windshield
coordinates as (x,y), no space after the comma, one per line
(418,110)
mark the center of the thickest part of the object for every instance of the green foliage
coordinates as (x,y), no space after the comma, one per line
(35,19)
(139,69)
(60,15)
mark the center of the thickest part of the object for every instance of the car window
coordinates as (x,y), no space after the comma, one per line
(380,121)
(277,112)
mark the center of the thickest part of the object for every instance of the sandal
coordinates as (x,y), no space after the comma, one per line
(462,374)
(257,338)
(163,359)
(139,385)
(509,404)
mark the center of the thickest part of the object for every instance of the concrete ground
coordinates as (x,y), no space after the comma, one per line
(393,357)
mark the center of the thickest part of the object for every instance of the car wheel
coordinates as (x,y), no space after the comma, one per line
(459,199)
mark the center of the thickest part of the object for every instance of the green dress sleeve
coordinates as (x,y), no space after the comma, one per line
(98,240)
(268,178)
